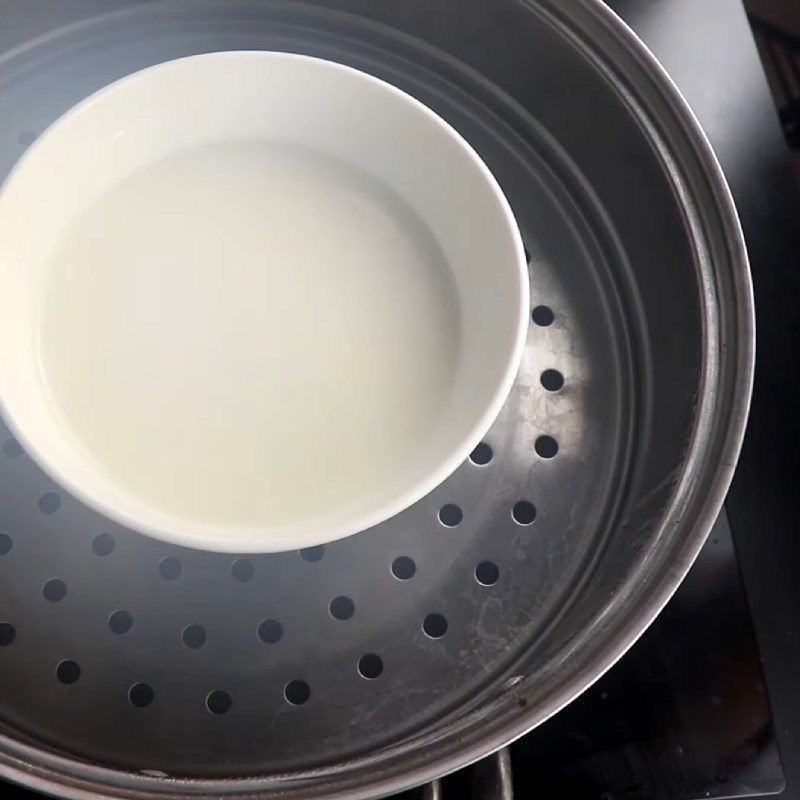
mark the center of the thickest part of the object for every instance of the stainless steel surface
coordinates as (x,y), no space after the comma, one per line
(492,777)
(488,779)
(637,253)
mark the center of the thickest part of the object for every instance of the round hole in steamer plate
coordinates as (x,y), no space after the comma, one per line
(523,512)
(546,446)
(120,621)
(243,570)
(68,672)
(552,380)
(370,666)
(193,636)
(141,695)
(543,316)
(342,607)
(481,455)
(435,626)
(219,702)
(487,573)
(450,515)
(54,590)
(403,568)
(169,568)
(312,554)
(49,502)
(270,631)
(297,692)
(7,634)
(103,544)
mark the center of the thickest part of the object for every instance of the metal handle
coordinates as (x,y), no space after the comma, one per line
(491,780)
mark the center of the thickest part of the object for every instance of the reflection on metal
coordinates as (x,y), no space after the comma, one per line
(432,791)
(492,778)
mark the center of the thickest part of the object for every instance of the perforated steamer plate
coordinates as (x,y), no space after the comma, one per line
(130,668)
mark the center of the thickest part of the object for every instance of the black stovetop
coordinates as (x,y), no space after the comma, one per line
(684,714)
(691,711)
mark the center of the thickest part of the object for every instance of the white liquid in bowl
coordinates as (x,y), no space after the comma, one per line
(248,333)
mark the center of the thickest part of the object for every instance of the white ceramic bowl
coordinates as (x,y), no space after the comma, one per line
(299,314)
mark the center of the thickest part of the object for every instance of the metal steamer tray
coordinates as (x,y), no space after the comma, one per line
(132,668)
